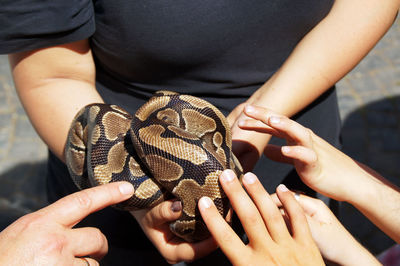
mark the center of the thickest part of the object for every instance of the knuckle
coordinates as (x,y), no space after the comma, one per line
(52,243)
(252,219)
(299,215)
(164,212)
(82,199)
(275,217)
(98,237)
(310,133)
(226,237)
(29,221)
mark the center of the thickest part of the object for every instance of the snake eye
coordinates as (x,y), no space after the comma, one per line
(167,120)
(168,116)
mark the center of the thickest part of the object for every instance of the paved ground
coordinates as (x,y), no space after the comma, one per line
(369,99)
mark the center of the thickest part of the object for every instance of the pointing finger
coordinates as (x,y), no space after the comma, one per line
(71,209)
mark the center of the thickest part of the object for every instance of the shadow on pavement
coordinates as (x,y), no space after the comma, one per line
(23,190)
(371,135)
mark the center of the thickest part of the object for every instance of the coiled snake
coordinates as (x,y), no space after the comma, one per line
(174,146)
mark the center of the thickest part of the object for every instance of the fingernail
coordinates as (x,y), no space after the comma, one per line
(176,206)
(285,149)
(126,188)
(249,178)
(274,120)
(227,176)
(241,123)
(205,203)
(282,188)
(250,109)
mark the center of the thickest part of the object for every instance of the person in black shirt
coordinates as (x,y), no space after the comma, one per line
(284,55)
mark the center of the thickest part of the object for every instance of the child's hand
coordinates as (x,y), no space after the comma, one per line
(271,242)
(335,243)
(320,166)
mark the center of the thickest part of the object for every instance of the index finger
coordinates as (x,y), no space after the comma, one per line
(71,209)
(229,242)
(289,129)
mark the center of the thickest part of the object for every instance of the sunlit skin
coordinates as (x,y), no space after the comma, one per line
(53,92)
(270,241)
(328,171)
(47,236)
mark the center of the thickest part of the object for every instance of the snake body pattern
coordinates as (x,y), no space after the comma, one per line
(174,146)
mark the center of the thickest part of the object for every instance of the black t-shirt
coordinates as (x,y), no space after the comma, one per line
(221,51)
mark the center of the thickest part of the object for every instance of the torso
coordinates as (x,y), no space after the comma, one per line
(212,48)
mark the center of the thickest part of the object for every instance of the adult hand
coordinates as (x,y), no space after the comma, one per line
(335,243)
(155,224)
(320,165)
(46,237)
(271,242)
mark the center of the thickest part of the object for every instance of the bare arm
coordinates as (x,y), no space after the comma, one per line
(378,200)
(53,85)
(327,53)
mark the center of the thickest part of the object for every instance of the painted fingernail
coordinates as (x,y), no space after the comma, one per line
(282,188)
(176,206)
(126,188)
(227,176)
(250,109)
(249,178)
(274,120)
(205,203)
(285,149)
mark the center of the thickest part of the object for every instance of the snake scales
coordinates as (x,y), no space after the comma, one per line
(174,146)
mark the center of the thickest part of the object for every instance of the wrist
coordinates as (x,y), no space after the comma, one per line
(365,188)
(350,252)
(356,255)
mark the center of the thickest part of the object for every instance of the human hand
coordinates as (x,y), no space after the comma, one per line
(155,224)
(246,145)
(320,166)
(271,243)
(335,243)
(46,237)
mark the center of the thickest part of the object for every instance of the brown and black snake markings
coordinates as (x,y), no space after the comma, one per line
(174,146)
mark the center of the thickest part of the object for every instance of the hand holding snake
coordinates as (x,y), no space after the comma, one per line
(174,146)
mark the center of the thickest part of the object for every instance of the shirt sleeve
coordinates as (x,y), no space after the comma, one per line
(33,24)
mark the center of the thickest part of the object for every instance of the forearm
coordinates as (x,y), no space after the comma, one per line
(52,107)
(326,54)
(379,201)
(53,85)
(355,254)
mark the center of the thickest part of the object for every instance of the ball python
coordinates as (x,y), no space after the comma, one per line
(173,146)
